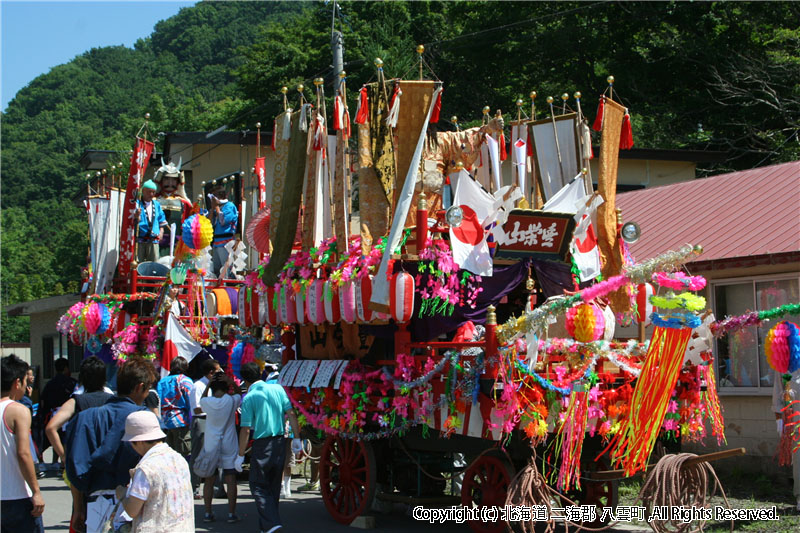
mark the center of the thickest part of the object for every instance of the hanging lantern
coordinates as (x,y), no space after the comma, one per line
(401,297)
(254,305)
(585,322)
(347,302)
(287,312)
(363,294)
(643,306)
(782,347)
(197,232)
(300,307)
(269,308)
(315,307)
(331,302)
(244,319)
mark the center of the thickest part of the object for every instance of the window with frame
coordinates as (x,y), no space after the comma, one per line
(739,355)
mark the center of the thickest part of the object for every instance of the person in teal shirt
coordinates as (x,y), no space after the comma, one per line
(151,224)
(263,411)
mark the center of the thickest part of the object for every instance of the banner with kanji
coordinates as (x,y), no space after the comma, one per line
(127,239)
(262,183)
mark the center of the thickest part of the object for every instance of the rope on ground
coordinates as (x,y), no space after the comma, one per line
(530,489)
(456,472)
(671,483)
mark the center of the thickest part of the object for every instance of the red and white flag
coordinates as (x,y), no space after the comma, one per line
(139,159)
(468,240)
(262,183)
(584,248)
(177,343)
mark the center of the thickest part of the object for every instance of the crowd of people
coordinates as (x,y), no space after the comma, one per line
(135,459)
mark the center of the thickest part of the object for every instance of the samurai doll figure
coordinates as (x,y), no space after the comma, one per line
(173,200)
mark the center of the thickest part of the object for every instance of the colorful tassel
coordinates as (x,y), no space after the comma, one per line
(362,111)
(598,120)
(503,151)
(634,442)
(337,114)
(287,125)
(437,109)
(626,136)
(570,441)
(394,108)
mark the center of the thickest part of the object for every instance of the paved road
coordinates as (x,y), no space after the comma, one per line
(303,512)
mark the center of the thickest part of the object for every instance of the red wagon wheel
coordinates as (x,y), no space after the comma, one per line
(347,478)
(600,493)
(485,484)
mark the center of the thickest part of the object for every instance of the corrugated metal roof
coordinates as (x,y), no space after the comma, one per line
(741,214)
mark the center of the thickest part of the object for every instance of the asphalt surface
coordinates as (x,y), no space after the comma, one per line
(302,512)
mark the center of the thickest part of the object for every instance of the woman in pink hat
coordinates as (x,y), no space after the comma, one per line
(159,497)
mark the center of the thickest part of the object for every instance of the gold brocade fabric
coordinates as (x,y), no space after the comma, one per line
(414,102)
(381,149)
(607,237)
(278,179)
(341,183)
(372,200)
(285,221)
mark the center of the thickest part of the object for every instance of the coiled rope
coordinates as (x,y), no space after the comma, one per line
(673,483)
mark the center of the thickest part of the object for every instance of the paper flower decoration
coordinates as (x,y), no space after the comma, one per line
(585,322)
(782,347)
(97,318)
(197,232)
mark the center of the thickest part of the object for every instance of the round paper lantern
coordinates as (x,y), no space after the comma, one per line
(643,306)
(782,347)
(254,305)
(347,302)
(270,308)
(97,318)
(300,307)
(315,307)
(197,232)
(585,322)
(287,310)
(331,302)
(401,297)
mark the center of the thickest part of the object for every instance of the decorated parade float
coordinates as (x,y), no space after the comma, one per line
(454,342)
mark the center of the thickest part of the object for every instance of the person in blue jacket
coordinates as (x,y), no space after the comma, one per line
(224,216)
(151,224)
(97,458)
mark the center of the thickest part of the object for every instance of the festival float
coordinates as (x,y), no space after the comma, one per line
(457,343)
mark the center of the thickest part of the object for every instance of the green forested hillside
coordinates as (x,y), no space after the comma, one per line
(705,75)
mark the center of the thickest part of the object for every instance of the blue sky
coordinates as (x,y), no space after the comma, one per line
(37,36)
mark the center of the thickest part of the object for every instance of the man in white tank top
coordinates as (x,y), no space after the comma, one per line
(22,502)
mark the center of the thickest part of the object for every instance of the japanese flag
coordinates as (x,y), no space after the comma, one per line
(468,241)
(584,248)
(177,342)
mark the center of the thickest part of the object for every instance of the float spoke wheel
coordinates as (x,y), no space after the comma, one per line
(486,484)
(346,478)
(600,493)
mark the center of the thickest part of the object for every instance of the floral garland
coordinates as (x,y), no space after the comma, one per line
(125,343)
(685,300)
(537,320)
(676,321)
(679,281)
(753,318)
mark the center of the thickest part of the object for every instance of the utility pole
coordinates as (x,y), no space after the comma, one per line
(337,44)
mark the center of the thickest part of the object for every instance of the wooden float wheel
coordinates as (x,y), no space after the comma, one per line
(347,478)
(598,493)
(485,484)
